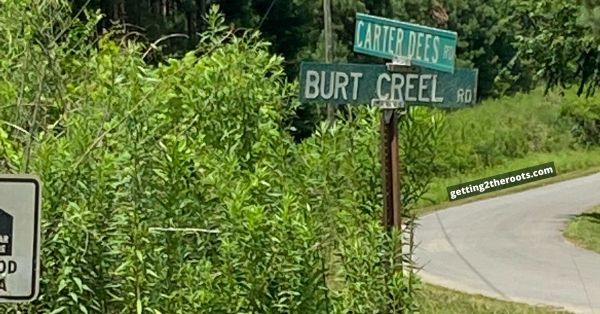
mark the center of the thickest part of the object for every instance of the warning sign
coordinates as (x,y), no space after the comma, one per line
(6,233)
(20,204)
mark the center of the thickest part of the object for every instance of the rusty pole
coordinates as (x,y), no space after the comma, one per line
(391,186)
(392,216)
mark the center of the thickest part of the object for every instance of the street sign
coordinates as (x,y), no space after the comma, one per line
(20,202)
(362,83)
(425,46)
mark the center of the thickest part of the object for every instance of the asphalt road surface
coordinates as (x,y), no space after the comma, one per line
(511,247)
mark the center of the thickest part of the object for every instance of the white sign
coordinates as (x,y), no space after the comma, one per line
(20,211)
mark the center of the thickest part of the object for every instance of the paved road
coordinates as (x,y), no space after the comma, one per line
(511,247)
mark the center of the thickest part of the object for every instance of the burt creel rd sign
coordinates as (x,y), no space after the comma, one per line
(361,83)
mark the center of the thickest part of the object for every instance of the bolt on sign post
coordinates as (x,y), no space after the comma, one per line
(20,210)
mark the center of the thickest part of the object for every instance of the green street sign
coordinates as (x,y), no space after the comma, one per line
(425,46)
(361,83)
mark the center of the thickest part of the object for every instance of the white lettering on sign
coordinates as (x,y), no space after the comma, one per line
(380,93)
(410,86)
(4,244)
(386,29)
(412,45)
(423,47)
(421,88)
(464,96)
(428,38)
(368,37)
(397,85)
(312,85)
(317,83)
(360,25)
(448,52)
(436,51)
(434,97)
(376,37)
(355,77)
(419,44)
(350,87)
(341,82)
(399,39)
(390,39)
(329,93)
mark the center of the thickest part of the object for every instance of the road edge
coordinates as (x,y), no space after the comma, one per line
(453,285)
(424,211)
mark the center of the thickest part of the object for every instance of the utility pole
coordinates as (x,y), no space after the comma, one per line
(328,48)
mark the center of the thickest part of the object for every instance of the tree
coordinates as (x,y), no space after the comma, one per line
(560,47)
(591,14)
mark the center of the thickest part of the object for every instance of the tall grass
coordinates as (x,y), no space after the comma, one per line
(499,130)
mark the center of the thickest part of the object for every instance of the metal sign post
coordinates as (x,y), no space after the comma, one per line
(390,161)
(404,43)
(392,206)
(421,57)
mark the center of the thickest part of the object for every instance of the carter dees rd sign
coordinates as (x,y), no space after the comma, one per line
(424,46)
(361,83)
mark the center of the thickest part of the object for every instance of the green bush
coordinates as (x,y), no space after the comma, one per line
(129,151)
(499,130)
(585,115)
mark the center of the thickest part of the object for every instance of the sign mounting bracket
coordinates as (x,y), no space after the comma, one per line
(389,106)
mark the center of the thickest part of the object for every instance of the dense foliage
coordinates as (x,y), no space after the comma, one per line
(129,152)
(511,42)
(585,115)
(522,125)
(515,44)
(132,145)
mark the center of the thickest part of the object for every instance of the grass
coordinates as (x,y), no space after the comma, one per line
(584,230)
(499,131)
(506,134)
(438,300)
(569,164)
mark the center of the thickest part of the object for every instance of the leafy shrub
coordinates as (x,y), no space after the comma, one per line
(499,130)
(585,115)
(129,152)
